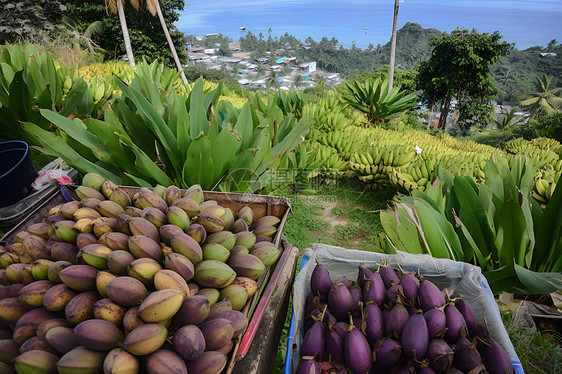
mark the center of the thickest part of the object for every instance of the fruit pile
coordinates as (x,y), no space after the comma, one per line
(153,283)
(390,321)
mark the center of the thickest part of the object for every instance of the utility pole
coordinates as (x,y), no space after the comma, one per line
(393,45)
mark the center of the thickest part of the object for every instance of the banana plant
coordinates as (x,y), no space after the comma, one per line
(32,80)
(373,98)
(496,225)
(151,136)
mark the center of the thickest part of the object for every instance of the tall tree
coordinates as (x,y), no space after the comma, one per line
(544,100)
(153,6)
(393,45)
(117,7)
(459,69)
(147,39)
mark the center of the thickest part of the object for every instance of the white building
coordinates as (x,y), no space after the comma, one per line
(307,68)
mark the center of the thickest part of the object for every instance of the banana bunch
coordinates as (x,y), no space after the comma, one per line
(100,89)
(545,184)
(107,70)
(328,115)
(547,144)
(543,191)
(328,159)
(236,101)
(343,141)
(404,181)
(363,164)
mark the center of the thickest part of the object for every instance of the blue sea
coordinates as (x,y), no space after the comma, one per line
(525,23)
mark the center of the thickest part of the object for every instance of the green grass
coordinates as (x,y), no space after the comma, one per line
(302,222)
(345,214)
(537,351)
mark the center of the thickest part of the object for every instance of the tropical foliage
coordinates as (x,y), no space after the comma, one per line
(459,69)
(544,100)
(373,98)
(496,225)
(28,20)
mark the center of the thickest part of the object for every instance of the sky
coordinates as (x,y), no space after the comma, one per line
(525,23)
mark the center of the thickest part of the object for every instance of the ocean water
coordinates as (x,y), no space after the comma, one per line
(525,23)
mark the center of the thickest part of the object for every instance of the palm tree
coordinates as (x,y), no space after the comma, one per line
(117,7)
(84,33)
(153,6)
(544,100)
(508,119)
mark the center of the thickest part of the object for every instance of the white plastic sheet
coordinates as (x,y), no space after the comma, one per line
(464,279)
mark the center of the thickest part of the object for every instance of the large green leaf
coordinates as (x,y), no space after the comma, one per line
(156,125)
(146,168)
(199,167)
(79,132)
(57,146)
(131,180)
(548,234)
(516,279)
(20,97)
(510,233)
(107,131)
(474,216)
(440,235)
(197,114)
(134,127)
(402,232)
(74,98)
(225,148)
(244,125)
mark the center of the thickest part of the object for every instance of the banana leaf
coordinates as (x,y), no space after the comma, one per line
(58,146)
(19,97)
(199,167)
(511,241)
(548,232)
(401,232)
(516,279)
(474,217)
(439,233)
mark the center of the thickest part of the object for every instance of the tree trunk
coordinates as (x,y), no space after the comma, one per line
(125,31)
(444,112)
(393,46)
(430,117)
(169,39)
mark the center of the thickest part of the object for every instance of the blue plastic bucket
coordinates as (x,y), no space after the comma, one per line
(17,171)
